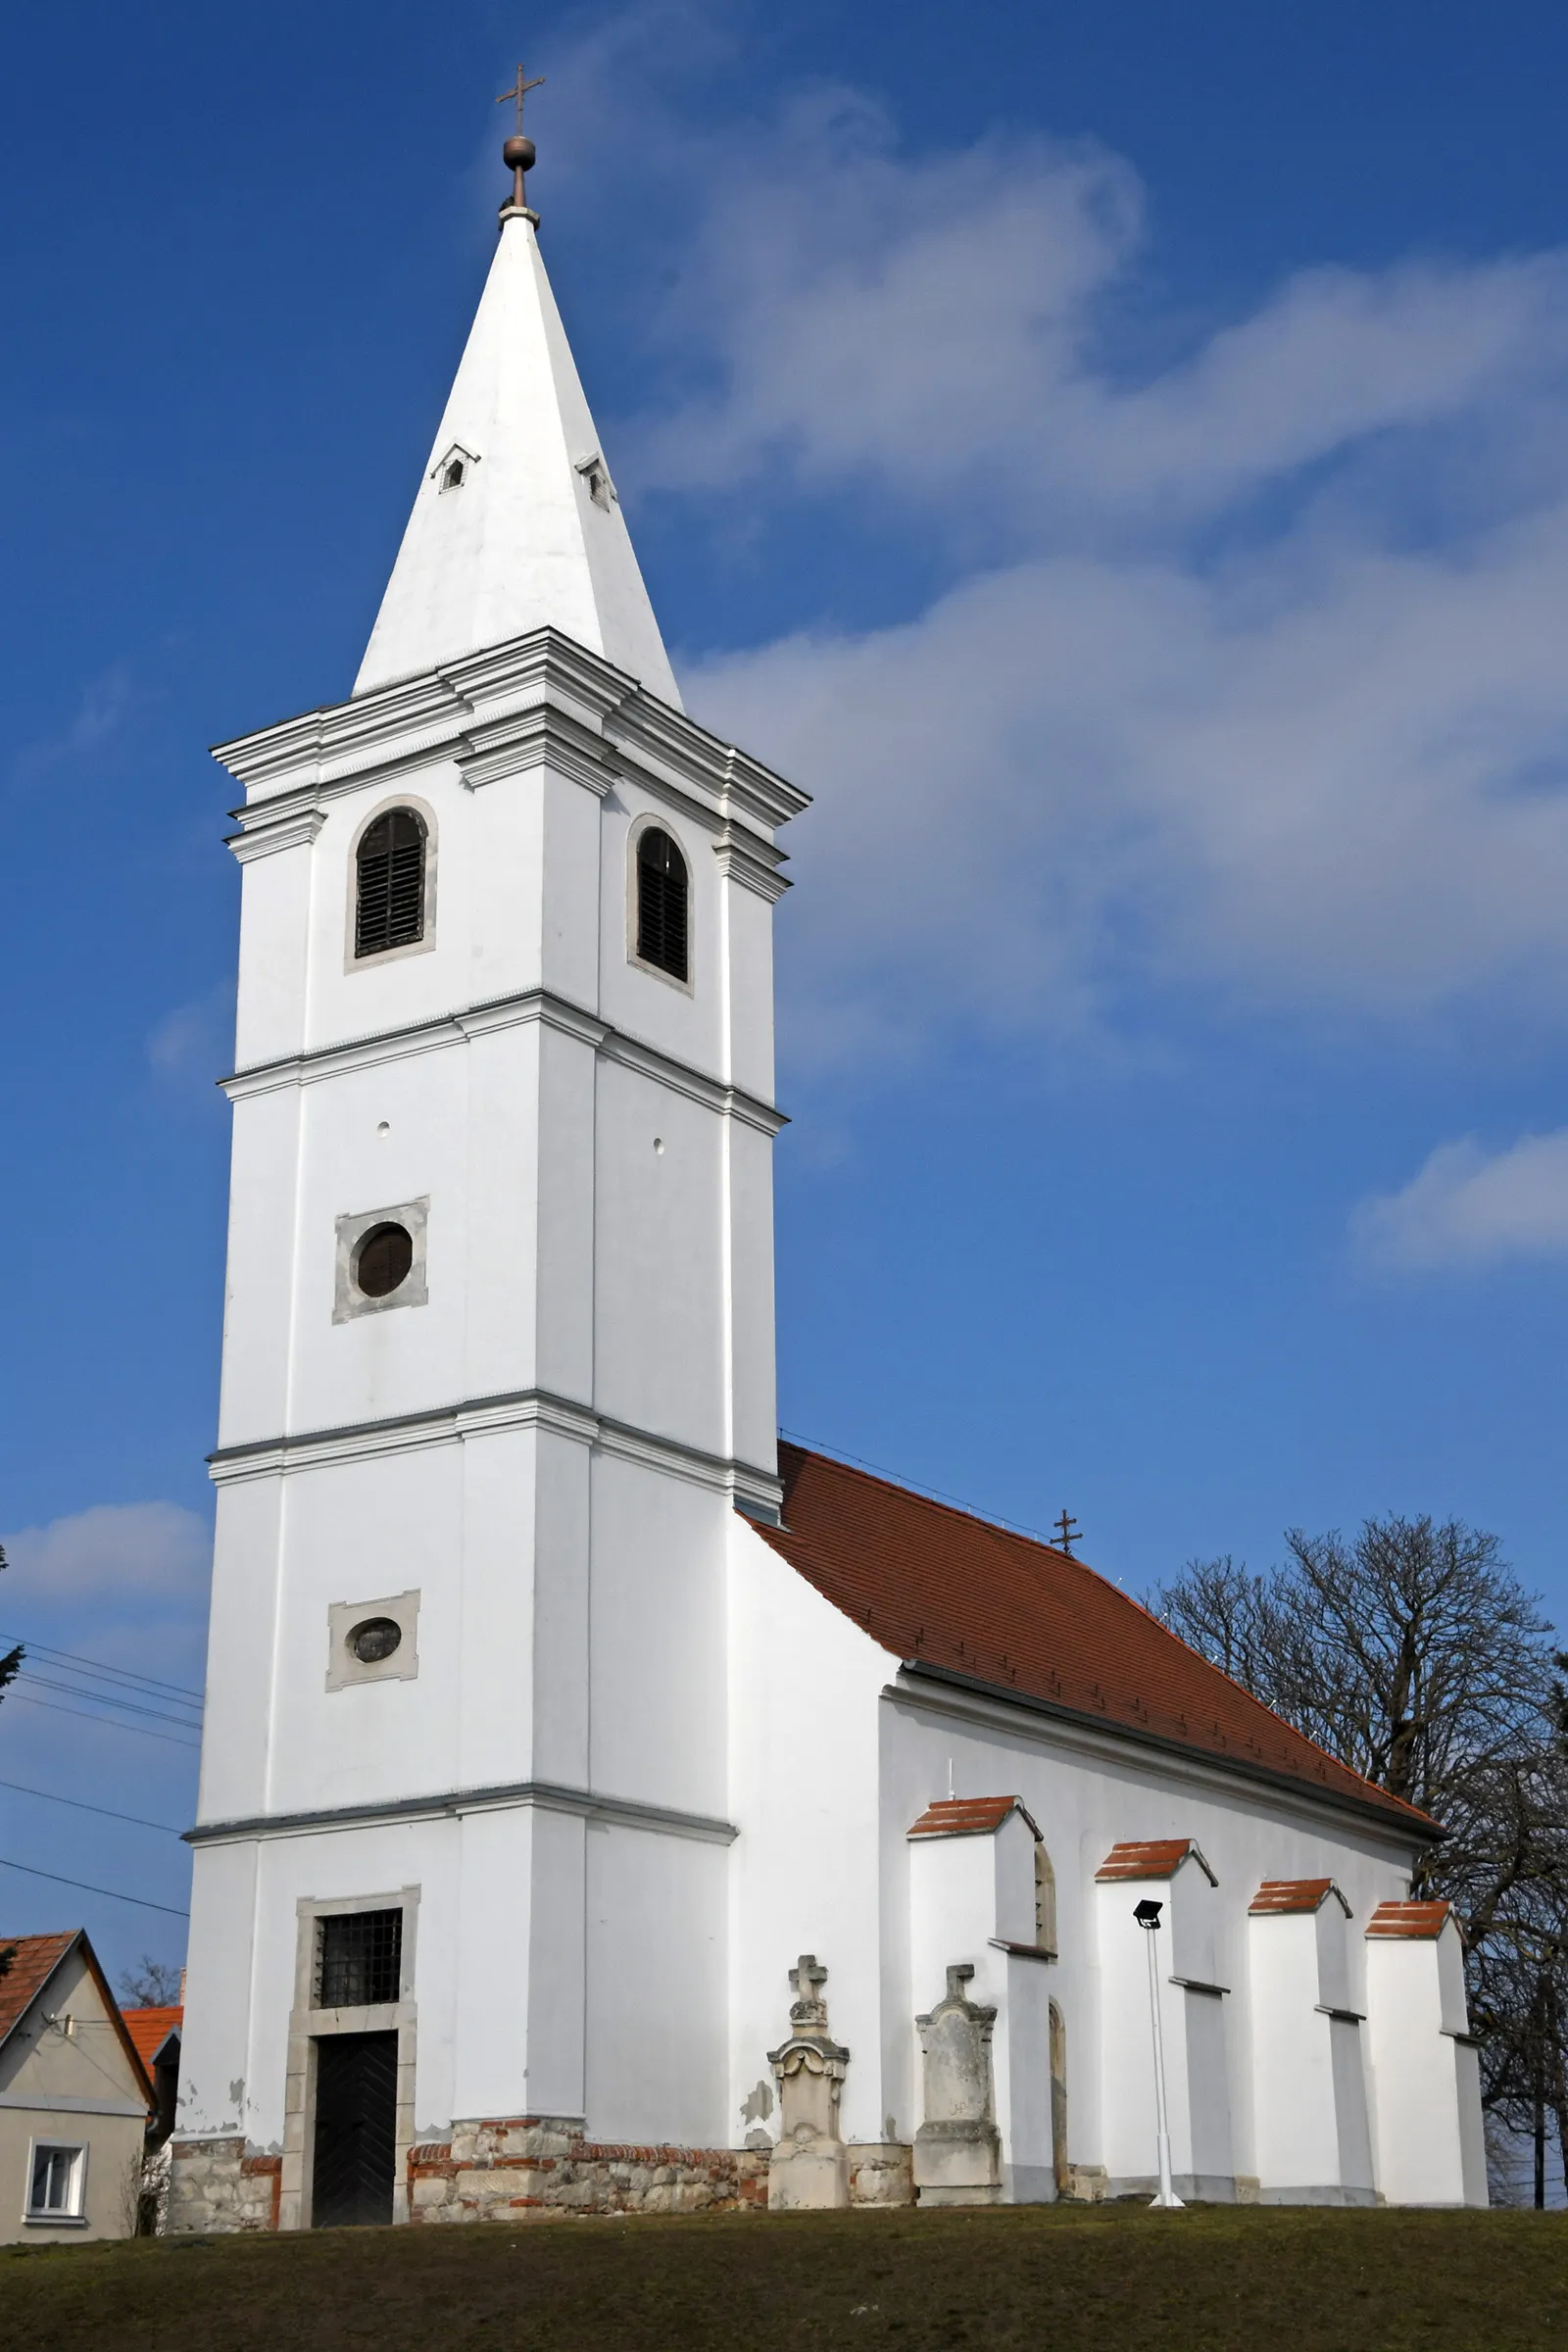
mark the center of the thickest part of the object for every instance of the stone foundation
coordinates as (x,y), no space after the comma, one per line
(220,2185)
(519,2167)
(513,2167)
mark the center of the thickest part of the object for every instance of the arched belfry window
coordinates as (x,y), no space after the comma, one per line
(389,904)
(663,893)
(1045,1900)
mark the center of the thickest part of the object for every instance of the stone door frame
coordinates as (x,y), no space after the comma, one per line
(308,2025)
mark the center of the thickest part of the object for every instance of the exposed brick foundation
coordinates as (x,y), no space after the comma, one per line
(216,2185)
(508,2168)
(515,2168)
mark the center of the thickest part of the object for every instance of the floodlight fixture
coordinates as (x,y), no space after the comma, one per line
(1146,1913)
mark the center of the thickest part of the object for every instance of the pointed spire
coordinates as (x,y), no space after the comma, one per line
(515,523)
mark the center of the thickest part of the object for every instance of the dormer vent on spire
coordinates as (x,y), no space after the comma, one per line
(519,547)
(595,473)
(452,469)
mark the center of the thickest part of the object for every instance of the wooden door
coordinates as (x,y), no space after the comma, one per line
(355,2130)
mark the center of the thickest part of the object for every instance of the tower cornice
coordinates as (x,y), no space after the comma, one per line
(497,712)
(456,1028)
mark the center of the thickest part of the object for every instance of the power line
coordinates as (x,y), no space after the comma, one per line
(124,1673)
(120,1690)
(82,1805)
(126,1706)
(26,1698)
(115,1896)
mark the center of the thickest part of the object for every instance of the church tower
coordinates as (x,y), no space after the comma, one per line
(498,1351)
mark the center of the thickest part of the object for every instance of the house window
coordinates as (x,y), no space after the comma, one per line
(389,905)
(1045,1901)
(55,2186)
(452,479)
(663,898)
(360,1959)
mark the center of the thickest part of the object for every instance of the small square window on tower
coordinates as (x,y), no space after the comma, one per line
(372,1640)
(380,1260)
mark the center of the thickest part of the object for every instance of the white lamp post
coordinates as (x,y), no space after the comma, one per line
(1147,1914)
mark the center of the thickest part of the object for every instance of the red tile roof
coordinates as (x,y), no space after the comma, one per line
(1276,1896)
(150,2029)
(1414,1920)
(942,1590)
(967,1816)
(37,1959)
(1151,1858)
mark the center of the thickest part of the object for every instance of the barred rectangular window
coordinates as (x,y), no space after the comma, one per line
(360,1959)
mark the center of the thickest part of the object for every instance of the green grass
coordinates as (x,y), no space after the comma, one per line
(1054,2280)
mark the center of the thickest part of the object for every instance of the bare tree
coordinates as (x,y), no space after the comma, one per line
(1414,1655)
(150,1984)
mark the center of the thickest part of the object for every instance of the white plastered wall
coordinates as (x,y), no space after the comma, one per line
(1309,2058)
(539,1451)
(968,1896)
(1426,2091)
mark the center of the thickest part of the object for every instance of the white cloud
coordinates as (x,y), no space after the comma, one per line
(1249,676)
(1468,1208)
(955,336)
(126,1553)
(1331,780)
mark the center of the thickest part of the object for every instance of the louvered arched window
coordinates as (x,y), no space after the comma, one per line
(389,907)
(662,904)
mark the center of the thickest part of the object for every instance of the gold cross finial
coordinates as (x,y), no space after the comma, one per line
(519,90)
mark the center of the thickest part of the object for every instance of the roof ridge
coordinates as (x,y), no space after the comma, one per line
(941,1503)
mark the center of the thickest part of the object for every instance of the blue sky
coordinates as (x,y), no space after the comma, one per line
(1116,457)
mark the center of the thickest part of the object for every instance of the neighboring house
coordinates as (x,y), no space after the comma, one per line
(155,2034)
(75,2096)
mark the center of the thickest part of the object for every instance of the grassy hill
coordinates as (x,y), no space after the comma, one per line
(1052,2279)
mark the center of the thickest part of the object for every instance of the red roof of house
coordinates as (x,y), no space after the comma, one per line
(1151,1858)
(938,1587)
(36,1957)
(1416,1920)
(35,1961)
(1276,1896)
(150,2029)
(967,1816)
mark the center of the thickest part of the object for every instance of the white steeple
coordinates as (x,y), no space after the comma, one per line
(516,523)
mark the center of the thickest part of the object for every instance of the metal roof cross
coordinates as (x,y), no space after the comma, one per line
(519,90)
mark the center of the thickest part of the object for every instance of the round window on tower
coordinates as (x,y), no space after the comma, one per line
(383,1261)
(376,1639)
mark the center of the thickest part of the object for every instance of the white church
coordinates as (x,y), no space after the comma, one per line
(604,1806)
